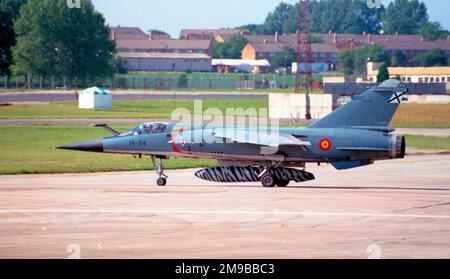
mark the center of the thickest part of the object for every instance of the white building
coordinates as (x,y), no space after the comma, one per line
(421,74)
(412,74)
(293,106)
(95,98)
(167,62)
(249,66)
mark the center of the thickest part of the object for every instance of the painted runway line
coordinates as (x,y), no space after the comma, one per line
(222,212)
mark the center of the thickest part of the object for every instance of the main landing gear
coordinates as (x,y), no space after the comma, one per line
(269,180)
(162,178)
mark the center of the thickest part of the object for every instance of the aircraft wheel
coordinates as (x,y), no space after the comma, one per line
(268,181)
(161,181)
(283,183)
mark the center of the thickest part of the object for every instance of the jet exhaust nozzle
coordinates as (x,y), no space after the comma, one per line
(86,146)
(233,174)
(397,147)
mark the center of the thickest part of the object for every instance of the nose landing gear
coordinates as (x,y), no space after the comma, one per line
(161,181)
(162,178)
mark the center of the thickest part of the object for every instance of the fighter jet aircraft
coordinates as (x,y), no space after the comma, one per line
(354,135)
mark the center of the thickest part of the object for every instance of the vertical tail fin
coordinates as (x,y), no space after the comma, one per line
(374,108)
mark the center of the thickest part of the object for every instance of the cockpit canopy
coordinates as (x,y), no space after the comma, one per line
(147,129)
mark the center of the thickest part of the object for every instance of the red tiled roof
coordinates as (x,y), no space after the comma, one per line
(390,42)
(278,47)
(211,32)
(259,39)
(128,31)
(163,44)
(227,37)
(416,45)
(365,38)
(164,55)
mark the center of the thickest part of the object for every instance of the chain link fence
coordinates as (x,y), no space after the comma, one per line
(169,81)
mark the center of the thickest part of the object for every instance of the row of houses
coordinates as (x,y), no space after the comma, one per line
(155,51)
(266,46)
(326,52)
(220,35)
(195,46)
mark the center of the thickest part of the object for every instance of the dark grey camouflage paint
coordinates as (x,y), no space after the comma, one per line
(358,135)
(235,174)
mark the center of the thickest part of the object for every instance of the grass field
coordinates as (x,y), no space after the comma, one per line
(25,150)
(422,116)
(122,109)
(428,143)
(408,115)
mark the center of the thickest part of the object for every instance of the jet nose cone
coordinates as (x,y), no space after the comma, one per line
(88,146)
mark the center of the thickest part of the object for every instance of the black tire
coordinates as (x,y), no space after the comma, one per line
(268,181)
(283,183)
(161,182)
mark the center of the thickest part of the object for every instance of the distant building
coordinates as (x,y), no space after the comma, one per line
(210,34)
(127,33)
(135,33)
(286,39)
(334,79)
(166,46)
(324,56)
(224,38)
(233,65)
(153,36)
(166,62)
(409,45)
(328,45)
(412,74)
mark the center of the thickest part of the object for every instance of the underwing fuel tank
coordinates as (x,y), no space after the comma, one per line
(235,174)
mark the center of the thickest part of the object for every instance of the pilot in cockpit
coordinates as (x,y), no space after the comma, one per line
(147,129)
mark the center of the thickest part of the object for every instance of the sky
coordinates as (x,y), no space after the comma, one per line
(173,15)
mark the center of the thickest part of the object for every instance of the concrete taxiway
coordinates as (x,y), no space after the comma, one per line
(47,97)
(393,209)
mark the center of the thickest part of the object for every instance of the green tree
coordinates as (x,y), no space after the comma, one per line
(432,31)
(316,40)
(231,49)
(398,59)
(434,57)
(405,17)
(354,61)
(341,16)
(157,32)
(345,16)
(55,40)
(346,59)
(285,58)
(383,73)
(120,66)
(9,11)
(257,29)
(281,20)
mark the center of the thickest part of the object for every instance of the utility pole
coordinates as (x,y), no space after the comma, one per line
(304,54)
